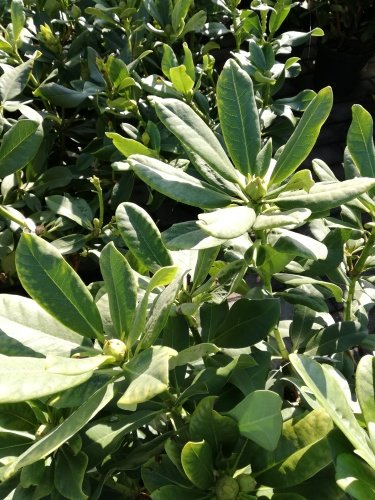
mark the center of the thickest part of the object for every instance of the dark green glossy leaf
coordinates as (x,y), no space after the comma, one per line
(70,471)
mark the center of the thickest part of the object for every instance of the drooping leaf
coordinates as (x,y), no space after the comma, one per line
(19,146)
(197,462)
(239,116)
(259,418)
(75,209)
(147,374)
(304,136)
(60,95)
(177,184)
(141,235)
(53,284)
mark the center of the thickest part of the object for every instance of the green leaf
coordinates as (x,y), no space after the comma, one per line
(279,219)
(61,96)
(179,12)
(75,366)
(27,330)
(302,451)
(360,141)
(176,184)
(238,115)
(335,338)
(206,258)
(278,15)
(14,80)
(104,436)
(194,134)
(324,195)
(62,433)
(130,146)
(297,244)
(19,146)
(75,209)
(25,378)
(172,491)
(121,287)
(192,353)
(301,327)
(207,424)
(296,280)
(355,477)
(142,237)
(365,388)
(331,392)
(69,473)
(159,313)
(147,374)
(188,61)
(53,284)
(18,17)
(227,223)
(197,462)
(169,60)
(181,80)
(247,322)
(304,136)
(188,236)
(259,418)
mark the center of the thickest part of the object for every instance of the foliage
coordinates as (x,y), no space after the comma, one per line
(176,371)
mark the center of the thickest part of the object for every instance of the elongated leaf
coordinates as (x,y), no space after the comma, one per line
(75,209)
(142,236)
(227,223)
(197,462)
(53,284)
(19,146)
(194,134)
(188,236)
(121,287)
(181,80)
(239,118)
(61,96)
(304,136)
(14,80)
(203,265)
(297,244)
(58,436)
(361,142)
(355,477)
(172,491)
(280,219)
(75,366)
(296,280)
(24,378)
(176,184)
(27,330)
(179,13)
(330,390)
(193,353)
(18,18)
(147,374)
(129,147)
(365,386)
(259,418)
(69,473)
(325,195)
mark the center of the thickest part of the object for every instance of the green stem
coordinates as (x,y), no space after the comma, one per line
(281,344)
(96,183)
(355,274)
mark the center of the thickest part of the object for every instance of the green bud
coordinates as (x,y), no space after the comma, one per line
(246,482)
(226,488)
(115,348)
(256,188)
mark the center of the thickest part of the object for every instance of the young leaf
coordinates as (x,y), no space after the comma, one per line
(194,134)
(259,418)
(197,462)
(181,80)
(62,433)
(176,184)
(19,146)
(239,116)
(147,374)
(53,284)
(361,142)
(129,147)
(142,236)
(304,136)
(121,287)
